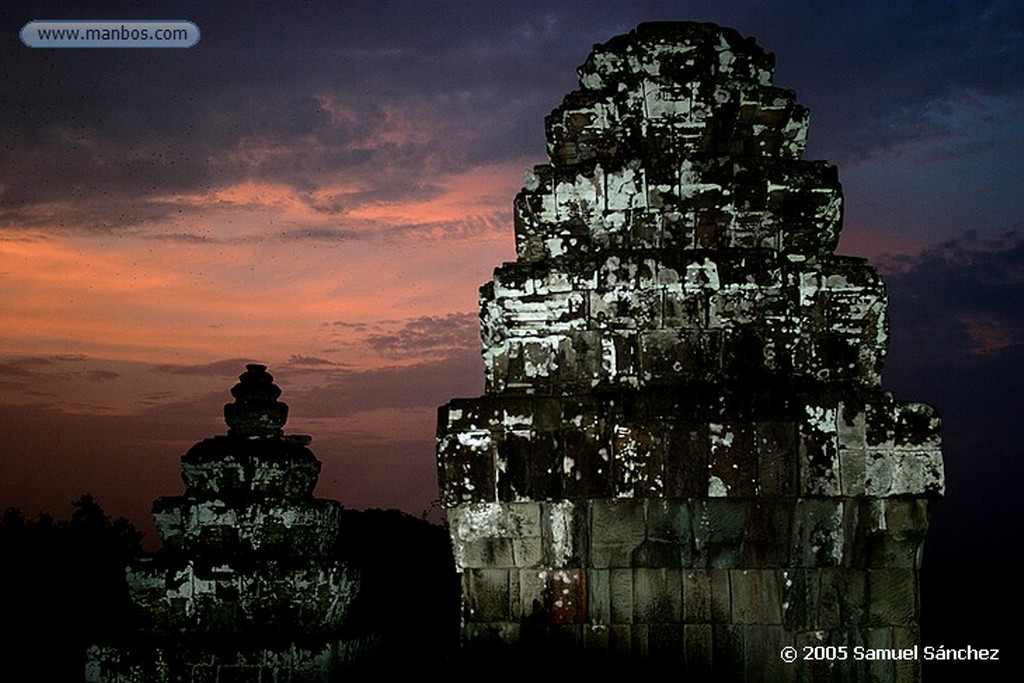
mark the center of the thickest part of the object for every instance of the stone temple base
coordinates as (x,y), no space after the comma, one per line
(201,663)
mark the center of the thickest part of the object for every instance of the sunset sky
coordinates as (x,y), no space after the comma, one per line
(323,186)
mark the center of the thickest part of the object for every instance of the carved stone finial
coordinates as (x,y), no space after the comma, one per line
(256,410)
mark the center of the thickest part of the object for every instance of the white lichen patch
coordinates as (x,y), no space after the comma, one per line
(561,534)
(624,190)
(717,488)
(477,440)
(809,286)
(513,421)
(701,275)
(821,418)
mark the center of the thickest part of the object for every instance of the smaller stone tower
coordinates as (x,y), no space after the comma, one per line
(245,571)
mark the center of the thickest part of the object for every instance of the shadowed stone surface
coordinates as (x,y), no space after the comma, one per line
(684,451)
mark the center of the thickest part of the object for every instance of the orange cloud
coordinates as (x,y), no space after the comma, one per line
(989,335)
(478,192)
(242,272)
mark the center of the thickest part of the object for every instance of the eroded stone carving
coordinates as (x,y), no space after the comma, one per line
(684,450)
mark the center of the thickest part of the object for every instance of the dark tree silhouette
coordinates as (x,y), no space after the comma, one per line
(62,588)
(410,592)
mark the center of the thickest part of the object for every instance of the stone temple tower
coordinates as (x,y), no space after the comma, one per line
(248,586)
(684,451)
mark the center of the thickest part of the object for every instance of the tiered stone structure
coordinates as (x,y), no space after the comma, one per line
(245,587)
(684,451)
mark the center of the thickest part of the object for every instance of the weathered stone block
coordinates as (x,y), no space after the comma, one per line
(819,456)
(488,593)
(706,596)
(657,595)
(586,463)
(907,516)
(683,311)
(853,472)
(842,598)
(598,597)
(891,532)
(669,535)
(620,588)
(618,527)
(513,465)
(686,457)
(916,427)
(756,596)
(732,463)
(878,639)
(776,444)
(892,597)
(768,529)
(819,537)
(485,534)
(546,474)
(565,533)
(638,462)
(468,467)
(487,552)
(718,532)
(851,425)
(902,472)
(527,552)
(919,473)
(828,598)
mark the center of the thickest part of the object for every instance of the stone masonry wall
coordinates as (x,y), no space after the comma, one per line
(684,451)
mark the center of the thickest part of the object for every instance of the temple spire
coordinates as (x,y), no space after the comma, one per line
(256,411)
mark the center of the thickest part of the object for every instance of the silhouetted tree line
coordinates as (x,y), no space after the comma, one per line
(410,594)
(62,588)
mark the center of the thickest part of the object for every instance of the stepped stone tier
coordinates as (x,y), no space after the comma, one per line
(684,451)
(244,588)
